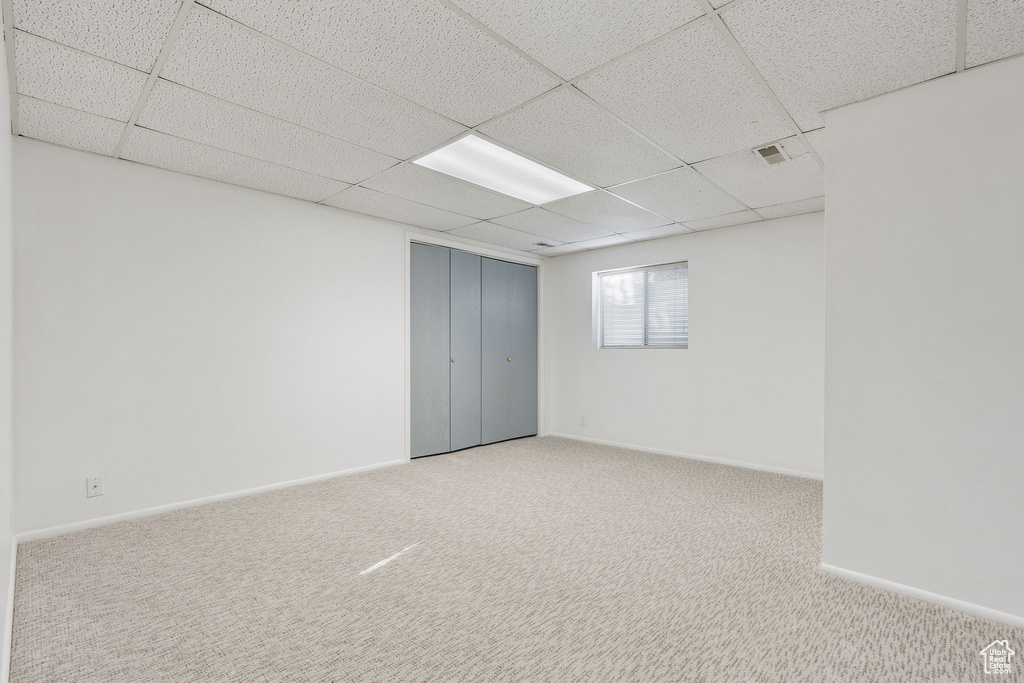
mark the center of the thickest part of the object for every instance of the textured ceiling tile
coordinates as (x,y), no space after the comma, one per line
(817,140)
(681,195)
(606,211)
(157,149)
(572,37)
(655,233)
(67,127)
(738,218)
(820,54)
(419,49)
(129,32)
(500,235)
(793,208)
(755,183)
(690,94)
(361,200)
(995,29)
(194,116)
(556,251)
(61,75)
(565,130)
(437,189)
(221,58)
(542,222)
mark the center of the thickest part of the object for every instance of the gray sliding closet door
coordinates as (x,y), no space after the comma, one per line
(496,344)
(465,350)
(429,353)
(523,415)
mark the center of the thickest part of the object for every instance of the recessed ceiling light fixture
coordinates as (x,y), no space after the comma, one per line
(478,161)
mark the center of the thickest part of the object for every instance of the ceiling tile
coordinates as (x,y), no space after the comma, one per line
(753,182)
(58,74)
(437,189)
(571,38)
(607,211)
(129,32)
(602,242)
(820,54)
(793,208)
(681,195)
(728,220)
(157,149)
(566,130)
(361,200)
(995,29)
(500,235)
(194,116)
(561,249)
(817,140)
(222,58)
(690,94)
(542,222)
(67,127)
(419,49)
(655,233)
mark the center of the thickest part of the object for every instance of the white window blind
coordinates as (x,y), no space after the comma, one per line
(645,308)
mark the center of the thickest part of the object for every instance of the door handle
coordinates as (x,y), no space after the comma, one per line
(509,360)
(453,360)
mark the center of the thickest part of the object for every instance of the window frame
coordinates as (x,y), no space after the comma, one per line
(599,304)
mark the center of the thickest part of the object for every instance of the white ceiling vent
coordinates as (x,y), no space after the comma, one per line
(543,244)
(772,154)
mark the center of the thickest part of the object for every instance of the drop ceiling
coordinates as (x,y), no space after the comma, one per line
(655,103)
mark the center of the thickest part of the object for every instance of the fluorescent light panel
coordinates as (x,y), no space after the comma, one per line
(477,161)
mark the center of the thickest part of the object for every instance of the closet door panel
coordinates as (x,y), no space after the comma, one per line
(496,344)
(465,350)
(429,320)
(523,404)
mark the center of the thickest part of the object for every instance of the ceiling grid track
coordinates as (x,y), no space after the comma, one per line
(12,72)
(745,59)
(571,85)
(961,35)
(308,55)
(539,78)
(165,53)
(185,87)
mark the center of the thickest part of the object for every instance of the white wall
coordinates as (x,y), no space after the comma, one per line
(749,388)
(925,336)
(6,310)
(185,338)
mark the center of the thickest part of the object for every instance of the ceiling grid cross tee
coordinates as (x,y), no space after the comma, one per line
(658,105)
(165,53)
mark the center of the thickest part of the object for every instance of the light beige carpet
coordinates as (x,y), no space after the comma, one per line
(534,560)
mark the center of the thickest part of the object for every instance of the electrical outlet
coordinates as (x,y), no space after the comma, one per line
(583,421)
(93,487)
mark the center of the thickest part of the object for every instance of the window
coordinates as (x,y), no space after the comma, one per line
(645,308)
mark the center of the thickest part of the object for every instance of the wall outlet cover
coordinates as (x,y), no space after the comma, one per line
(93,487)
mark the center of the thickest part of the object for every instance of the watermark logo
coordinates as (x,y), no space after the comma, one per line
(997,657)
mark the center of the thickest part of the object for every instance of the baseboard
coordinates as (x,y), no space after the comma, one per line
(935,598)
(691,456)
(36,534)
(5,648)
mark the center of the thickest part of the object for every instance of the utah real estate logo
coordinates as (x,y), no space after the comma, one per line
(997,657)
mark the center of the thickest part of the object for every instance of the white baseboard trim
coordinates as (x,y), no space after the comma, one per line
(691,456)
(36,534)
(935,598)
(5,647)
